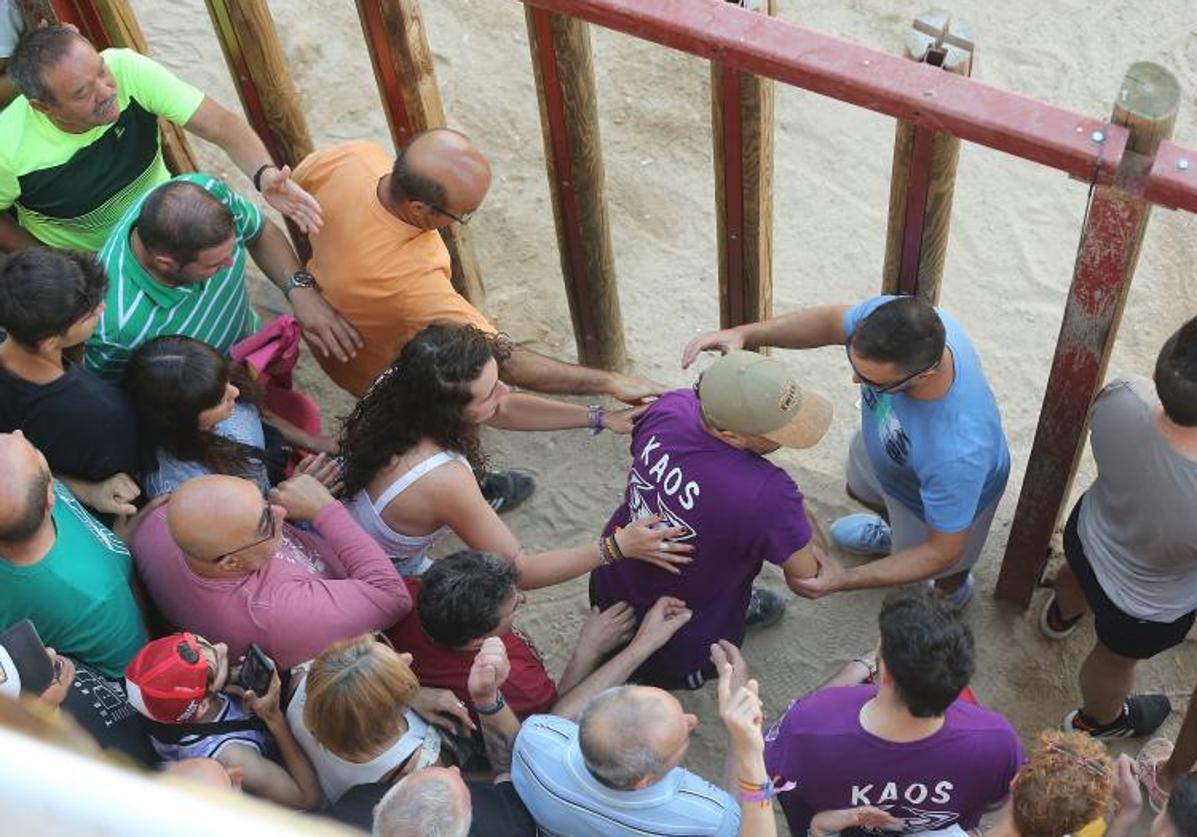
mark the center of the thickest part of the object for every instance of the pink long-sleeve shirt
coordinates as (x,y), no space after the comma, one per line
(319,587)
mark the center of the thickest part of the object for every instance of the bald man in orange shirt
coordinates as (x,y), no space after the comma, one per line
(380,261)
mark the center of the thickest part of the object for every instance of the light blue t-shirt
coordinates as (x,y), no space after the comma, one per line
(244,426)
(946,460)
(550,775)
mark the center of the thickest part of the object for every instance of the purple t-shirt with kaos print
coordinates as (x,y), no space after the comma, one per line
(949,778)
(737,509)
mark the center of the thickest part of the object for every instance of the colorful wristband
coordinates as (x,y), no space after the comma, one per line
(596,419)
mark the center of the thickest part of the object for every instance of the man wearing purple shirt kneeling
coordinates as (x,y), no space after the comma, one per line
(698,464)
(909,745)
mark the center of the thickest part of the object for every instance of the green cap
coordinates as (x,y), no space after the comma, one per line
(752,394)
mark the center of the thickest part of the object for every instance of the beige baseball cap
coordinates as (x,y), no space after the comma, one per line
(749,393)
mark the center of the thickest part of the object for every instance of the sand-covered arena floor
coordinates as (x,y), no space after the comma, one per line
(1013,240)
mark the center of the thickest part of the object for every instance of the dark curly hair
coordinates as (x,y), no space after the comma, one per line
(170,380)
(462,596)
(928,650)
(422,395)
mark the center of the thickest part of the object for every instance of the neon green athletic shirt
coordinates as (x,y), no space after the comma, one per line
(71,189)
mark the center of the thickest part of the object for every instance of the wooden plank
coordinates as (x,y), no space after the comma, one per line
(397,41)
(255,57)
(742,133)
(564,71)
(1114,228)
(923,177)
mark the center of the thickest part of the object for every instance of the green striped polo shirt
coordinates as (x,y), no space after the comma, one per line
(70,189)
(140,308)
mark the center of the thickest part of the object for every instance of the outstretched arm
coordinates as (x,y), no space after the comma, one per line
(806,328)
(220,126)
(500,727)
(532,370)
(661,622)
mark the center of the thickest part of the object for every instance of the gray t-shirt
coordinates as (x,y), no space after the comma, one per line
(1138,523)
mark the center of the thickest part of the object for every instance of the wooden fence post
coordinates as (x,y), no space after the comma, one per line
(251,47)
(111,23)
(564,72)
(403,69)
(924,170)
(742,131)
(1114,227)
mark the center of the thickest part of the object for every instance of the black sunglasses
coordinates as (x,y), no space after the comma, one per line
(266,527)
(893,386)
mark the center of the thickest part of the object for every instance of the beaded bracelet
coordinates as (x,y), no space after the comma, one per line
(604,553)
(613,545)
(596,419)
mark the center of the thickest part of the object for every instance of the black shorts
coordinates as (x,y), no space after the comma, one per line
(1125,635)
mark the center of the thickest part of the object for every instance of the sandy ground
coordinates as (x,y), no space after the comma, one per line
(1013,242)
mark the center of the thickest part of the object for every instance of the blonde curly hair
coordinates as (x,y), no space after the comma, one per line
(1067,784)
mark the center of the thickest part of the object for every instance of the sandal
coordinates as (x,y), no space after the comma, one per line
(1052,623)
(1154,753)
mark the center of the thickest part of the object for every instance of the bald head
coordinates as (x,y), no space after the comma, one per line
(441,170)
(433,802)
(24,490)
(631,736)
(213,515)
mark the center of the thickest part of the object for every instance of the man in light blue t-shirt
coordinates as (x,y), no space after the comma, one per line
(616,772)
(930,456)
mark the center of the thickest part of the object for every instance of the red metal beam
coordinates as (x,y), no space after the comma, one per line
(889,84)
(1173,179)
(254,109)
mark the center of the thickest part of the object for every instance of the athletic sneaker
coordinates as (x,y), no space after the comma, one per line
(959,597)
(863,534)
(1052,624)
(1141,715)
(505,490)
(765,608)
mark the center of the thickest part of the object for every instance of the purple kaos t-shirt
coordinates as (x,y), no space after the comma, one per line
(949,778)
(737,509)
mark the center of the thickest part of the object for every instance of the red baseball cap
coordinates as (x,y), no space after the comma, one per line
(168,679)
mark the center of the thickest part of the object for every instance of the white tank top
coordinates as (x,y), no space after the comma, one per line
(409,552)
(337,775)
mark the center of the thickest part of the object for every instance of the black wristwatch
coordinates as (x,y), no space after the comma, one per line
(298,279)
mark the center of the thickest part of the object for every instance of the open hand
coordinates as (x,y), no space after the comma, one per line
(664,619)
(326,331)
(646,541)
(830,578)
(727,340)
(324,469)
(622,421)
(442,708)
(605,630)
(289,198)
(866,816)
(633,389)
